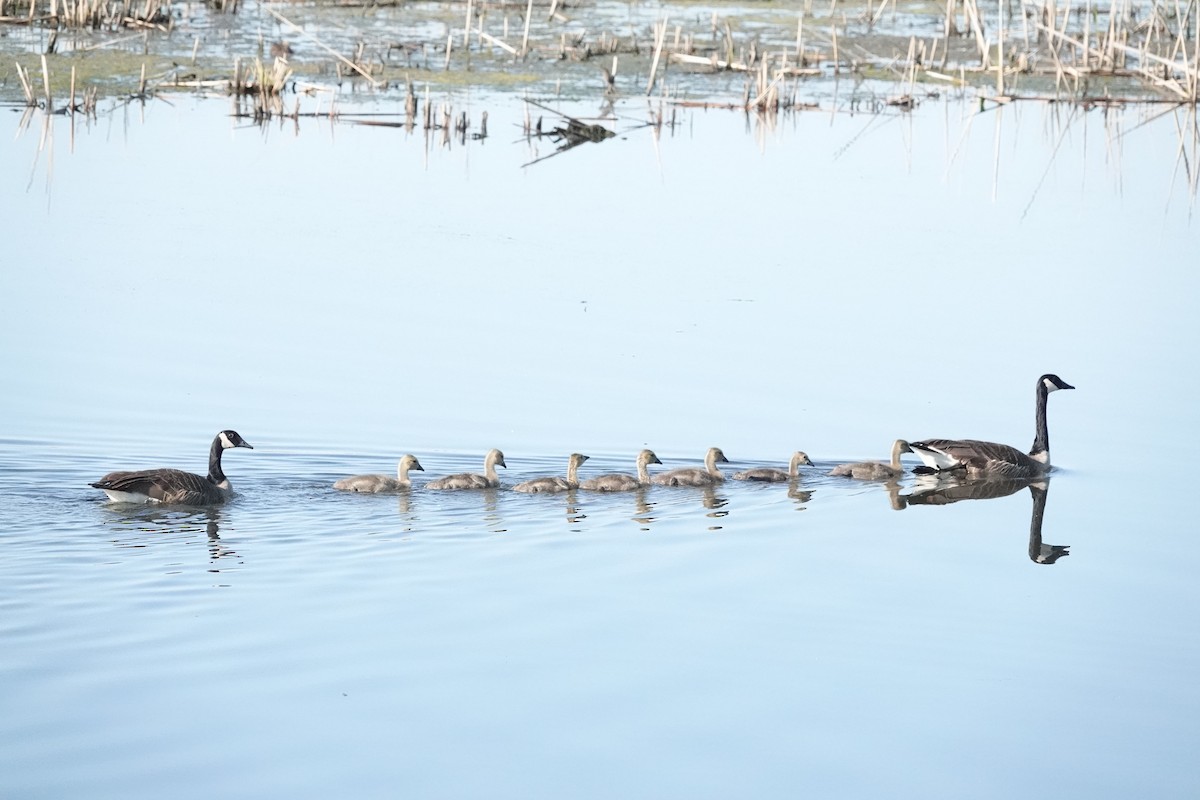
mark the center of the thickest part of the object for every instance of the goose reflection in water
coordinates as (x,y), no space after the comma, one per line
(147,522)
(943,489)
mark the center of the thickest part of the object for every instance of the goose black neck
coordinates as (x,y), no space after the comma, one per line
(215,474)
(1041,442)
(1035,521)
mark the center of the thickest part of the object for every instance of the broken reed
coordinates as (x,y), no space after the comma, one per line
(1156,42)
(86,105)
(262,85)
(88,14)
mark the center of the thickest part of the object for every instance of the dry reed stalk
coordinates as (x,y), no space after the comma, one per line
(1000,50)
(800,37)
(973,20)
(449,50)
(837,64)
(911,77)
(660,36)
(467,24)
(1110,35)
(1087,34)
(738,66)
(497,42)
(24,76)
(768,96)
(46,85)
(293,26)
(879,11)
(1144,55)
(525,36)
(1195,69)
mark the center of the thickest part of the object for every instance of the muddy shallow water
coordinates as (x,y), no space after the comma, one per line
(342,293)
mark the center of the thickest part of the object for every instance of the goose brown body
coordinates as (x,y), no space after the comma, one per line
(981,459)
(175,486)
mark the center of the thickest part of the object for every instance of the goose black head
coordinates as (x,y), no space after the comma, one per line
(232,439)
(1053,383)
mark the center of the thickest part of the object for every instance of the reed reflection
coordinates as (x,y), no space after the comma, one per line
(944,489)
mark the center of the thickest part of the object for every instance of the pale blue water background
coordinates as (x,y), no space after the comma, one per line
(345,295)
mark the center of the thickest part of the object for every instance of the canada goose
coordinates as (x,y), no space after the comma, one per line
(555,484)
(377,484)
(772,475)
(471,480)
(875,470)
(695,476)
(981,459)
(174,485)
(621,482)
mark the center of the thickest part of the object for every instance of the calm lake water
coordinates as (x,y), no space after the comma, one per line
(343,294)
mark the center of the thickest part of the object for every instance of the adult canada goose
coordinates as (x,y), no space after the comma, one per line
(981,459)
(875,470)
(621,482)
(378,484)
(471,480)
(695,476)
(554,483)
(772,475)
(175,485)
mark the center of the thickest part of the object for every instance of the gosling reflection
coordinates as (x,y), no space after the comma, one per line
(944,489)
(642,508)
(799,496)
(715,505)
(575,514)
